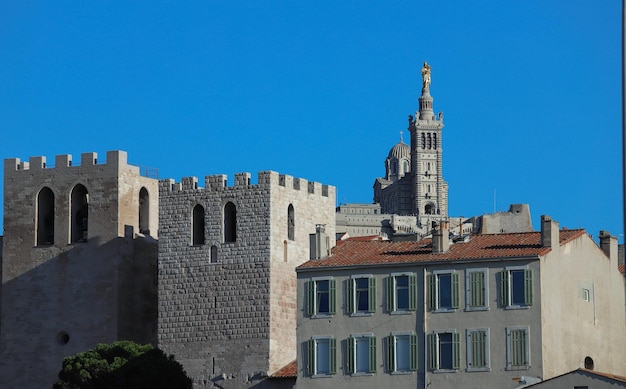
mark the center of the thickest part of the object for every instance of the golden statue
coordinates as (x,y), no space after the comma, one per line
(425,76)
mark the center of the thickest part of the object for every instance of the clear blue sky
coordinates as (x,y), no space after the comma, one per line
(531,92)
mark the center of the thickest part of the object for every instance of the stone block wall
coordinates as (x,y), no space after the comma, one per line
(227,309)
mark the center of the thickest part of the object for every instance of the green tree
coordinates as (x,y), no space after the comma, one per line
(123,364)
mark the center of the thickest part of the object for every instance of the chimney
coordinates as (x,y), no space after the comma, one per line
(441,237)
(320,245)
(549,232)
(608,244)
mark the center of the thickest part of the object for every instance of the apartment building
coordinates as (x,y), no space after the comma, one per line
(473,311)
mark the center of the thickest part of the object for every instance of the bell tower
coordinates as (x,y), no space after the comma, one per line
(430,191)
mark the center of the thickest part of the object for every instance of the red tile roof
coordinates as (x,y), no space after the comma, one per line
(511,245)
(288,371)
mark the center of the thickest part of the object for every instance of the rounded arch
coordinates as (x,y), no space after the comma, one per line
(429,209)
(79,214)
(230,222)
(44,216)
(406,169)
(589,363)
(144,211)
(197,225)
(291,223)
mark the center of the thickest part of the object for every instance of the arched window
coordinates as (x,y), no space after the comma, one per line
(144,212)
(79,212)
(394,167)
(588,363)
(423,141)
(429,209)
(230,222)
(435,141)
(45,217)
(406,167)
(198,225)
(291,223)
(428,141)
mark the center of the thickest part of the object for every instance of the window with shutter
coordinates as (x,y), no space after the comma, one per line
(321,297)
(361,295)
(444,351)
(401,293)
(478,349)
(401,353)
(321,356)
(516,287)
(361,354)
(443,290)
(477,292)
(518,349)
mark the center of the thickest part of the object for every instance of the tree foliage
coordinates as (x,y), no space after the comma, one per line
(122,364)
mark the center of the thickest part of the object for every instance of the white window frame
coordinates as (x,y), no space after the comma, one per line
(404,335)
(407,310)
(508,270)
(331,303)
(469,349)
(468,291)
(353,279)
(437,352)
(316,340)
(437,296)
(509,365)
(353,338)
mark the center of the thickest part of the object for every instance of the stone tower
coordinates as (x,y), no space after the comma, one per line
(430,191)
(74,273)
(227,281)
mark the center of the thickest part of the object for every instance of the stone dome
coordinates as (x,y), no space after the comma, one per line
(400,151)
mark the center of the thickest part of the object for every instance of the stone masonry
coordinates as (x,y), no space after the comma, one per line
(227,282)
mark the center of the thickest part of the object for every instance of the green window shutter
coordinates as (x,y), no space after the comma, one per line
(390,293)
(310,301)
(504,288)
(455,290)
(456,350)
(432,351)
(391,352)
(432,292)
(332,350)
(372,354)
(413,352)
(518,348)
(350,295)
(528,287)
(477,289)
(350,356)
(371,294)
(310,357)
(412,292)
(478,356)
(332,297)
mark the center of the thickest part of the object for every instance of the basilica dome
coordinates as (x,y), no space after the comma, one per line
(400,151)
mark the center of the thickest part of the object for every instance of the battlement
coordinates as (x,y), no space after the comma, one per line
(114,158)
(265,179)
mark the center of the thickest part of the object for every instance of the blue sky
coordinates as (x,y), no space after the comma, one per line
(531,92)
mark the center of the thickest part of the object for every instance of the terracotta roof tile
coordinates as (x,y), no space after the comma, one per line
(288,371)
(507,245)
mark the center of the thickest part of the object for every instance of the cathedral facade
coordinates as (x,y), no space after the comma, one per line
(413,182)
